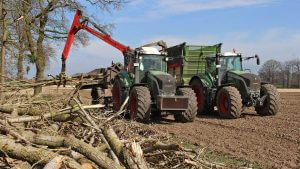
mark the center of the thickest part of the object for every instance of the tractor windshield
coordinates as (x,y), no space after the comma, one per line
(152,62)
(231,63)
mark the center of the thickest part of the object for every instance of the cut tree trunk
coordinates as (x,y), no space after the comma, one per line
(55,163)
(161,146)
(83,148)
(133,156)
(57,116)
(22,165)
(114,141)
(31,154)
(131,153)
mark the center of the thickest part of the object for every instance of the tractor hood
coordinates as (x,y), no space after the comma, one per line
(166,82)
(252,81)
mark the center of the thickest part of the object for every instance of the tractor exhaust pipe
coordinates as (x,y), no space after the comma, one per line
(218,66)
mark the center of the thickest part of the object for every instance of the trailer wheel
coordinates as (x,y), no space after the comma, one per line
(199,91)
(95,93)
(140,104)
(117,95)
(271,103)
(190,114)
(229,102)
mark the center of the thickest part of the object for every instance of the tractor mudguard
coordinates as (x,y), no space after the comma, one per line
(153,85)
(206,80)
(239,83)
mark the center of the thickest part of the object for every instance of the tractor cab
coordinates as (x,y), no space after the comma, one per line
(231,61)
(152,62)
(150,59)
(227,62)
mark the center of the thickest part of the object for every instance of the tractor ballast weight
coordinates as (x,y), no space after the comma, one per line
(220,80)
(144,78)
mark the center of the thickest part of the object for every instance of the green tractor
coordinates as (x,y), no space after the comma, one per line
(144,78)
(220,80)
(150,88)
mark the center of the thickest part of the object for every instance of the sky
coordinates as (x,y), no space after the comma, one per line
(269,28)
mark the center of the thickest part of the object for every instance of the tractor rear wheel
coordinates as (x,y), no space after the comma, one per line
(190,114)
(271,103)
(229,102)
(197,86)
(140,104)
(117,94)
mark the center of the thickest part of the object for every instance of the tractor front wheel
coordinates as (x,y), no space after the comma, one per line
(229,102)
(271,102)
(140,104)
(190,114)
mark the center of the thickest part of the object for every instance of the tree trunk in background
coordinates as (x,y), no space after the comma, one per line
(3,41)
(21,48)
(298,72)
(20,74)
(40,59)
(39,74)
(287,79)
(36,47)
(283,79)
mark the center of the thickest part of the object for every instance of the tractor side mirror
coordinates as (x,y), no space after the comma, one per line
(257,59)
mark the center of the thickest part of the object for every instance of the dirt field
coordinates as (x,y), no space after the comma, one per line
(270,141)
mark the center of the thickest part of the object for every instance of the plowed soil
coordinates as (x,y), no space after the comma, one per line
(272,141)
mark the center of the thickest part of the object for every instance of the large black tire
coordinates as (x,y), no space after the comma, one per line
(197,86)
(271,104)
(190,114)
(229,102)
(140,104)
(203,106)
(117,94)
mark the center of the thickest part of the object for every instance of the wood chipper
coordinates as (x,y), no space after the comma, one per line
(144,78)
(220,80)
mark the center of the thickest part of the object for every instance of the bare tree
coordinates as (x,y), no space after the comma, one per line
(269,70)
(45,22)
(295,64)
(286,71)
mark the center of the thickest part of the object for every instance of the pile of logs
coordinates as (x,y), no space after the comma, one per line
(59,131)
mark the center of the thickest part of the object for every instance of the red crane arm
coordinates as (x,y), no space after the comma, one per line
(77,25)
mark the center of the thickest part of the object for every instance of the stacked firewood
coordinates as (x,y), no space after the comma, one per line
(59,131)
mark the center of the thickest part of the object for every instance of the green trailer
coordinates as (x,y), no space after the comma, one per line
(186,61)
(220,80)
